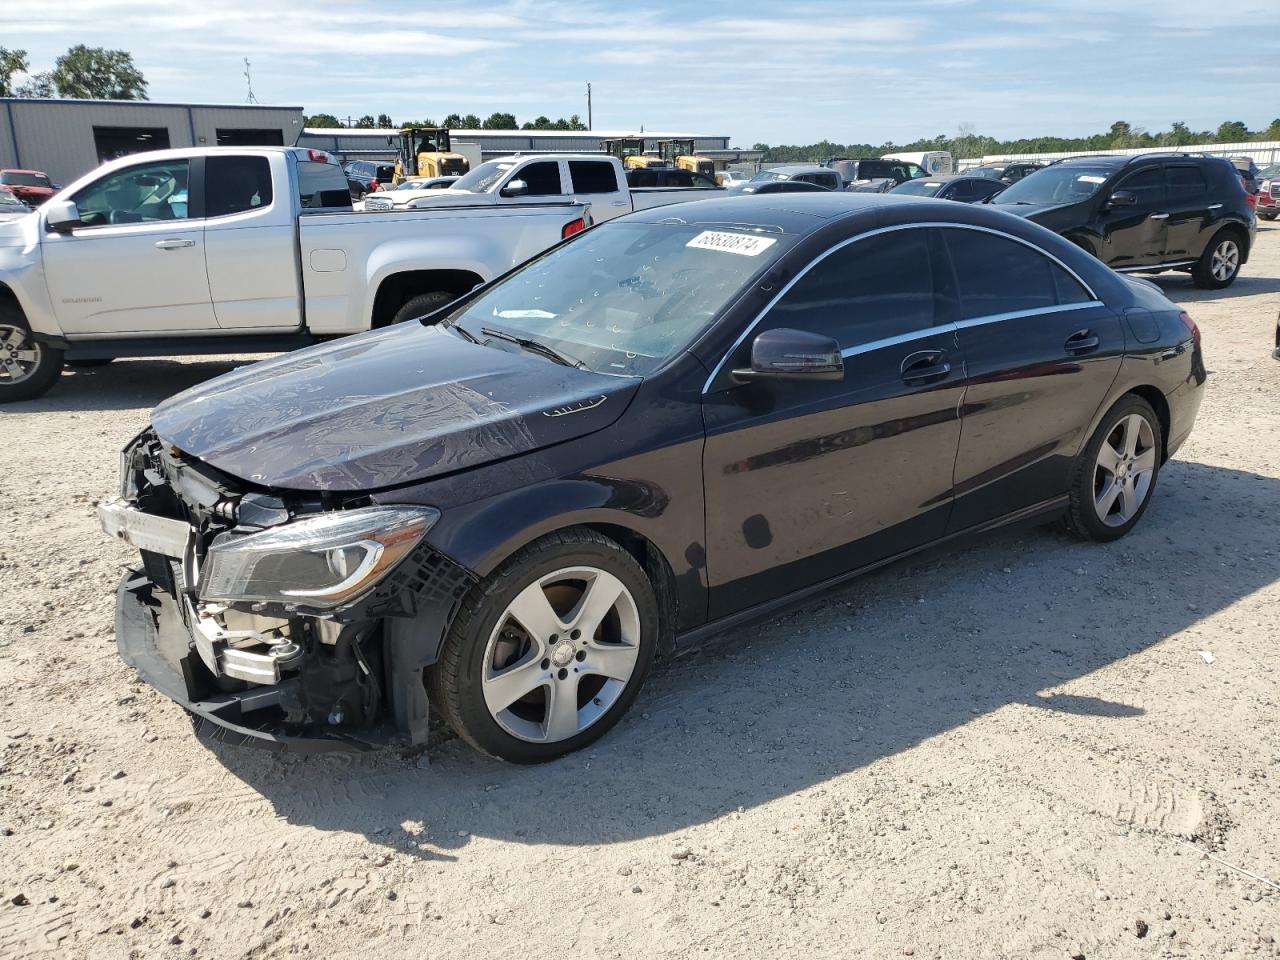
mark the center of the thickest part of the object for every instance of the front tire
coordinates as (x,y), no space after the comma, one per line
(28,368)
(1219,265)
(548,652)
(1114,476)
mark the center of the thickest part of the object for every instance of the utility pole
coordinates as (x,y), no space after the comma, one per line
(588,106)
(249,82)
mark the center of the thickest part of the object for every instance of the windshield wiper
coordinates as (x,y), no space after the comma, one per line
(463,332)
(535,346)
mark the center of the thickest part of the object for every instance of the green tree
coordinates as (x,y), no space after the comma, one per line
(1233,131)
(366,122)
(95,73)
(501,121)
(418,123)
(1178,135)
(470,122)
(1272,132)
(452,121)
(11,62)
(321,120)
(538,123)
(384,121)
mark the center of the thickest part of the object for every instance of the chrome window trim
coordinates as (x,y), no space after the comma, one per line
(1032,312)
(1094,301)
(848,352)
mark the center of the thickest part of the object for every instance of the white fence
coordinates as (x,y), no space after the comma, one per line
(1264,153)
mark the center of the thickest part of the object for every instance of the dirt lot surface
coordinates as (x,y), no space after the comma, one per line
(1015,748)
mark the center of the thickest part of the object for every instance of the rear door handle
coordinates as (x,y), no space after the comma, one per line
(618,203)
(924,365)
(1082,341)
(1159,216)
(174,244)
(1215,206)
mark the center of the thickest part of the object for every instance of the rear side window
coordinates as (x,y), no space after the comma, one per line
(1185,182)
(322,186)
(878,287)
(592,176)
(236,184)
(996,275)
(542,178)
(386,173)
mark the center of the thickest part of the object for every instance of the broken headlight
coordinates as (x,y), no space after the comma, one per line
(320,561)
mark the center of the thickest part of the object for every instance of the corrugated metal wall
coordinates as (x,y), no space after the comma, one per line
(372,145)
(56,136)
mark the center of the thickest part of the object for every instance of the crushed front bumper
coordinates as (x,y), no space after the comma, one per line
(152,638)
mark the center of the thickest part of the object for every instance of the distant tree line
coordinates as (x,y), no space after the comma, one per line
(82,73)
(454,121)
(968,143)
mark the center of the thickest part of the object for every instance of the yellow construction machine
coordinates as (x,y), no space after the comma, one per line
(425,152)
(630,150)
(682,155)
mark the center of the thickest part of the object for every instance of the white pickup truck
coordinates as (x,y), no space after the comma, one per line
(592,178)
(235,250)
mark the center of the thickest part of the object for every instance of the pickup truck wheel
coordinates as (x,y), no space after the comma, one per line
(549,651)
(422,304)
(28,368)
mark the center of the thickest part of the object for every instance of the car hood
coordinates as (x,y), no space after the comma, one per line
(385,408)
(1032,211)
(13,230)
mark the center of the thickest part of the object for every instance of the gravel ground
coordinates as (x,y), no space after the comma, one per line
(1016,748)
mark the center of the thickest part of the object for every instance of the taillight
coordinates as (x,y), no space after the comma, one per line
(319,156)
(573,227)
(373,185)
(1190,325)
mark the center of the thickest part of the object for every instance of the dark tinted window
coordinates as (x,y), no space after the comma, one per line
(322,185)
(592,176)
(874,288)
(236,184)
(386,172)
(641,178)
(1147,185)
(996,275)
(543,178)
(1185,182)
(958,190)
(25,179)
(702,180)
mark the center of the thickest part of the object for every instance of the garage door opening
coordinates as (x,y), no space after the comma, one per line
(113,142)
(250,138)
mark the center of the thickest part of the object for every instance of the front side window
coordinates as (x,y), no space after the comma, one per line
(142,194)
(1147,185)
(622,297)
(593,176)
(542,178)
(880,286)
(997,275)
(236,184)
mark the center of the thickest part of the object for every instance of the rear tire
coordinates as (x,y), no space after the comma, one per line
(1114,476)
(28,368)
(422,305)
(549,651)
(1219,265)
(1268,216)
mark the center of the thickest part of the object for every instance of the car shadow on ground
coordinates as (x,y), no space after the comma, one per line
(129,384)
(879,667)
(1179,287)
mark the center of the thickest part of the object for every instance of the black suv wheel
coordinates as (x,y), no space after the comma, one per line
(1219,265)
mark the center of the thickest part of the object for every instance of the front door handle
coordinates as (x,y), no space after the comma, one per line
(1215,206)
(1159,216)
(924,365)
(174,244)
(1082,341)
(618,203)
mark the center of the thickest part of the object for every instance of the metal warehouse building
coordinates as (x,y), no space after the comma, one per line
(351,144)
(67,138)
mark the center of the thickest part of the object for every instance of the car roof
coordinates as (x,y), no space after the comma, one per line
(797,214)
(38,173)
(798,168)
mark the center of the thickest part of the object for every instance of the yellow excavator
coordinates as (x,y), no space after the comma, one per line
(630,150)
(425,152)
(682,155)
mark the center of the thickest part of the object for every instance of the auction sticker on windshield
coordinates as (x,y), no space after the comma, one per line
(1087,178)
(740,243)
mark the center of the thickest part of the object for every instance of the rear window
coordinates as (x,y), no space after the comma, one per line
(874,169)
(592,176)
(386,172)
(322,186)
(236,184)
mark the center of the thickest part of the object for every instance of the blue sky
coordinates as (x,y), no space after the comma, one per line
(758,71)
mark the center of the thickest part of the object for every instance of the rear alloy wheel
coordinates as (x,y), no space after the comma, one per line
(548,653)
(1115,474)
(1219,265)
(28,368)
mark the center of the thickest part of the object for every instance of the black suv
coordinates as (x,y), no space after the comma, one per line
(1007,171)
(365,176)
(1145,214)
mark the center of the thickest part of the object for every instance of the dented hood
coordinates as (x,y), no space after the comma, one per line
(385,408)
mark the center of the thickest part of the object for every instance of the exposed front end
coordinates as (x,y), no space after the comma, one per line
(265,614)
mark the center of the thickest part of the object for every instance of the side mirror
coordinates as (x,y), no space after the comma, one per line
(1122,198)
(785,354)
(62,216)
(515,188)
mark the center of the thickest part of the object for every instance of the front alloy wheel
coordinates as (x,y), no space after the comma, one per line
(28,367)
(548,651)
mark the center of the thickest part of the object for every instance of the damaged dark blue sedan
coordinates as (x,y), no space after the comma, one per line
(669,425)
